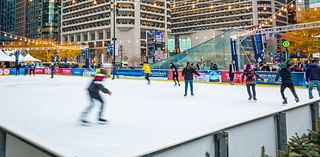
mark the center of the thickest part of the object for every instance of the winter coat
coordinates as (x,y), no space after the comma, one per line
(313,72)
(187,73)
(146,68)
(174,70)
(96,86)
(253,78)
(285,75)
(232,69)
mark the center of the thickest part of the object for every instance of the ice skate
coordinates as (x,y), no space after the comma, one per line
(255,99)
(85,122)
(249,98)
(285,101)
(297,99)
(102,121)
(192,94)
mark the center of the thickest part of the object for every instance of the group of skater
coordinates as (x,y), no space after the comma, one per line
(249,77)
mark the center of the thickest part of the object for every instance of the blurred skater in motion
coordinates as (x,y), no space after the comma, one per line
(175,74)
(94,88)
(313,77)
(251,77)
(286,81)
(147,71)
(187,73)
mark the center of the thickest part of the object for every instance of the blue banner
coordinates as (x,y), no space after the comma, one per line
(208,76)
(298,78)
(234,53)
(136,73)
(258,47)
(77,71)
(159,73)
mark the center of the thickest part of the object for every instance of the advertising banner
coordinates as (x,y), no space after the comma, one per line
(6,71)
(13,71)
(298,78)
(159,73)
(77,71)
(170,75)
(1,71)
(41,71)
(125,72)
(237,76)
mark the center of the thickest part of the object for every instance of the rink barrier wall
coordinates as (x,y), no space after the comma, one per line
(15,143)
(205,75)
(271,131)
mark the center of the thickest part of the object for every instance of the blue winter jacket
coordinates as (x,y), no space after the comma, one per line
(313,72)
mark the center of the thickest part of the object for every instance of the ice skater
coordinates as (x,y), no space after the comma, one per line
(52,67)
(94,88)
(286,81)
(187,73)
(232,69)
(251,77)
(147,71)
(313,77)
(175,74)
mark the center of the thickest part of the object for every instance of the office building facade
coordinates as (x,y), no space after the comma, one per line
(91,22)
(43,19)
(7,16)
(189,16)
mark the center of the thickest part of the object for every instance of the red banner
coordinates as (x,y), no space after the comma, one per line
(41,71)
(237,76)
(170,75)
(63,71)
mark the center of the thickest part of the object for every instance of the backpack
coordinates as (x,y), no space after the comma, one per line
(250,74)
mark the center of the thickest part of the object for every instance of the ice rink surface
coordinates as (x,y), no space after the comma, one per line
(142,117)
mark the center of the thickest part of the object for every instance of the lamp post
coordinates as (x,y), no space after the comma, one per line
(114,38)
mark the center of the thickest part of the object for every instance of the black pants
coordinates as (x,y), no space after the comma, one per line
(31,72)
(91,105)
(176,79)
(253,87)
(291,87)
(231,76)
(147,77)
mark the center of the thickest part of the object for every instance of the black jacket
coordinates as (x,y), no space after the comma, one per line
(232,68)
(96,86)
(174,70)
(313,72)
(285,75)
(187,73)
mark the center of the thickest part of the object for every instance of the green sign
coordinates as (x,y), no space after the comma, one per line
(286,43)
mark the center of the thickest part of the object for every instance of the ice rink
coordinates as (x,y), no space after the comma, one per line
(142,117)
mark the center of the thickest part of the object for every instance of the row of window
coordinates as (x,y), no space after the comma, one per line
(152,24)
(153,17)
(86,19)
(152,9)
(217,5)
(86,12)
(214,21)
(83,6)
(219,26)
(87,26)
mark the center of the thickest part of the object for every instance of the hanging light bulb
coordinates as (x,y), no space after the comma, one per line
(279,14)
(285,10)
(299,9)
(211,6)
(5,34)
(274,17)
(292,5)
(193,6)
(174,5)
(271,20)
(94,2)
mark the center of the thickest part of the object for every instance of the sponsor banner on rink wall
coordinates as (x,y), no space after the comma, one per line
(298,78)
(237,76)
(4,71)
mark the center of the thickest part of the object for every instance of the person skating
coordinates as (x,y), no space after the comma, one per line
(52,67)
(187,73)
(175,74)
(286,81)
(232,70)
(313,77)
(251,77)
(147,71)
(32,69)
(94,88)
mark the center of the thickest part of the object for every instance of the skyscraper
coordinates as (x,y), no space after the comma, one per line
(43,19)
(21,17)
(7,15)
